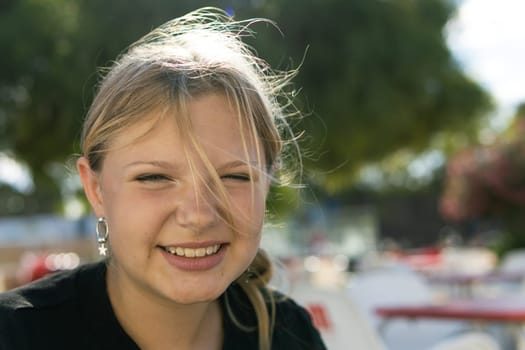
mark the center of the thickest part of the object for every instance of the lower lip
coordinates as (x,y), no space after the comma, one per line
(195,264)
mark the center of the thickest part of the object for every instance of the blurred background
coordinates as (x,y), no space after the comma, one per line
(413,125)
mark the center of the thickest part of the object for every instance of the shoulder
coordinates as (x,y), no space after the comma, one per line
(293,325)
(288,311)
(52,290)
(41,293)
(42,305)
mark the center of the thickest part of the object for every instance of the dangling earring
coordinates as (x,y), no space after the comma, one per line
(102,230)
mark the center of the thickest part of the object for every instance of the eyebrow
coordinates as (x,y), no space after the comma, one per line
(236,164)
(172,166)
(156,163)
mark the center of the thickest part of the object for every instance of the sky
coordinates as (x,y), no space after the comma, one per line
(487,37)
(15,174)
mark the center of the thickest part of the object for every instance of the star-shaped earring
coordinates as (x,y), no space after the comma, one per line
(102,250)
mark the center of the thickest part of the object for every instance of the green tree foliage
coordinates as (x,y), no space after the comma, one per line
(36,92)
(375,75)
(51,53)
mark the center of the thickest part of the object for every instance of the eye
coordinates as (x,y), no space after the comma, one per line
(236,177)
(152,178)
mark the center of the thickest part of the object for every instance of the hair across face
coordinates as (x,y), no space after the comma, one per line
(168,68)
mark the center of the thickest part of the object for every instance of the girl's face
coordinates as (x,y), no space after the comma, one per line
(166,231)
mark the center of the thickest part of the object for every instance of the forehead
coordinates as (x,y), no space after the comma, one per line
(210,122)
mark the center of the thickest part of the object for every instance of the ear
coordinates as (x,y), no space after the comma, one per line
(91,183)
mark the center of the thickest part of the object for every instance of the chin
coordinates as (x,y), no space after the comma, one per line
(195,295)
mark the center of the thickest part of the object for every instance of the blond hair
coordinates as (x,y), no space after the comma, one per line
(199,53)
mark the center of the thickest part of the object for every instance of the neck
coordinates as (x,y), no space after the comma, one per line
(157,323)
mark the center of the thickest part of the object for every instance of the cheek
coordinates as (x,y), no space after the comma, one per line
(134,236)
(248,214)
(134,220)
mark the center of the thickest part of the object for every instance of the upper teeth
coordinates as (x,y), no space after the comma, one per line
(193,253)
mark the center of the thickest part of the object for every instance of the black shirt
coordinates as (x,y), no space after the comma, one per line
(71,310)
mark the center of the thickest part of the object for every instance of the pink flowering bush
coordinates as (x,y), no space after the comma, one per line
(488,182)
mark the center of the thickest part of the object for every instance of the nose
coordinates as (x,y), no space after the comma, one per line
(196,208)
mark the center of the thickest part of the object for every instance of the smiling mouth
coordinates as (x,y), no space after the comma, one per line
(193,252)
